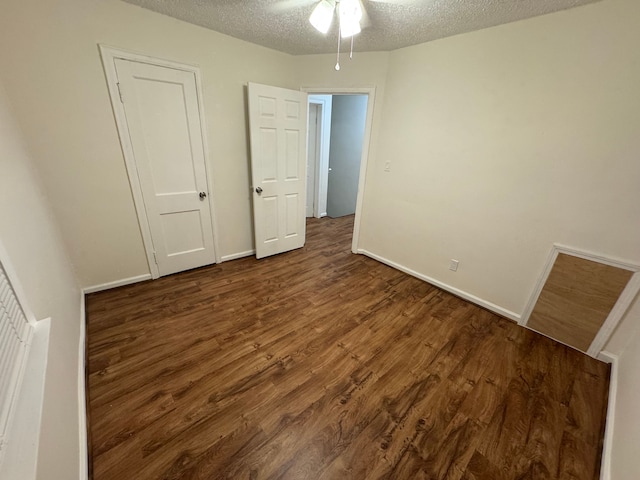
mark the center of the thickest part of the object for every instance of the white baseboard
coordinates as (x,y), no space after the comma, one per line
(605,466)
(82,395)
(116,283)
(460,293)
(235,256)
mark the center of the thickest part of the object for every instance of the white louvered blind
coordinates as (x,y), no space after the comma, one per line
(15,337)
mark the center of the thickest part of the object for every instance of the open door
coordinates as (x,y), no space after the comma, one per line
(278,137)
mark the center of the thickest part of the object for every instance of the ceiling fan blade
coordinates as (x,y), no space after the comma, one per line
(365,21)
(283,6)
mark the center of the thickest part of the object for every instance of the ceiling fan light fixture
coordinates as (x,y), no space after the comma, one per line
(349,29)
(350,12)
(322,16)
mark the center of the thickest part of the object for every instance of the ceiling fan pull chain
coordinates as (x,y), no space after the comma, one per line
(338,61)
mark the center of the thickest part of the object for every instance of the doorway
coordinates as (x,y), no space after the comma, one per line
(339,135)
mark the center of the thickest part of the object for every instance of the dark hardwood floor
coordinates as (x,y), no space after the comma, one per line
(321,364)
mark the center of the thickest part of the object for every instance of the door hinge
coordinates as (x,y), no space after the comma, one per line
(120,92)
(155,259)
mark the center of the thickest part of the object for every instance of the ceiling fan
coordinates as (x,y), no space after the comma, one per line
(349,16)
(352,16)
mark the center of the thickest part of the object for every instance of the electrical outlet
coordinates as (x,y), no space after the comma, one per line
(453,266)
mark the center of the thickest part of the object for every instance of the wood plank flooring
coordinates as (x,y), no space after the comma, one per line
(321,364)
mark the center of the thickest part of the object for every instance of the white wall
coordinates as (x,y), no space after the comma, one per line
(626,329)
(62,105)
(36,251)
(624,437)
(626,428)
(506,140)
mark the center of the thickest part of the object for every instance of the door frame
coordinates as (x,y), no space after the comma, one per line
(322,161)
(313,156)
(366,144)
(108,55)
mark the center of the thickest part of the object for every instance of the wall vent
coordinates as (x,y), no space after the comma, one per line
(15,337)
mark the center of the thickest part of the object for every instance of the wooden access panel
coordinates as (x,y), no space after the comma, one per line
(576,299)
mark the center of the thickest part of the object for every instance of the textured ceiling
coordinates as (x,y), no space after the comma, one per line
(283,24)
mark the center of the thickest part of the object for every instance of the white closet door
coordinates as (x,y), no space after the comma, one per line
(163,122)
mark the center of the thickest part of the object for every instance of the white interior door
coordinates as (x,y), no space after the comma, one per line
(163,122)
(278,131)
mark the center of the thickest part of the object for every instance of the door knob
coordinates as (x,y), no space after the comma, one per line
(202,195)
(259,190)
